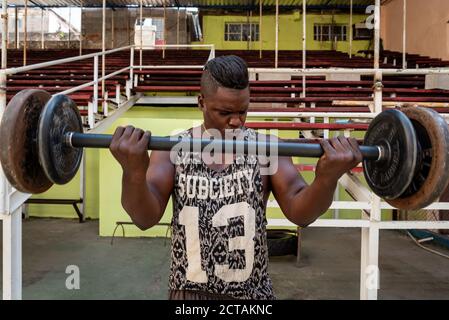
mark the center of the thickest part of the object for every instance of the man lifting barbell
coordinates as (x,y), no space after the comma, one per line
(219,245)
(219,239)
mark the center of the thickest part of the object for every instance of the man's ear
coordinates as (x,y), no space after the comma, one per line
(201,102)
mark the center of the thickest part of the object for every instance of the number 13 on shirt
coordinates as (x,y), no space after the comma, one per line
(188,217)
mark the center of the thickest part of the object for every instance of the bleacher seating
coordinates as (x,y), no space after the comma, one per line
(320,92)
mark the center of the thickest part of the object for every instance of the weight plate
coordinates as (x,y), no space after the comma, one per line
(59,161)
(394,133)
(18,140)
(432,171)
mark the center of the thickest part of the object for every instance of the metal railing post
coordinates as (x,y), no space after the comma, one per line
(131,70)
(95,100)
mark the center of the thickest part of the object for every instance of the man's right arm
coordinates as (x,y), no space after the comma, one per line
(145,198)
(147,182)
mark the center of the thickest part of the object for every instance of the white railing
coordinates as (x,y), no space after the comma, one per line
(92,107)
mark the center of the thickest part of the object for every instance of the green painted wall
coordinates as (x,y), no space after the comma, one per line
(290,32)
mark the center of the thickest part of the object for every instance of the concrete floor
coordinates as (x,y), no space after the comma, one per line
(138,268)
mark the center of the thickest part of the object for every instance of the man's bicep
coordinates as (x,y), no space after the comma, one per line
(286,182)
(160,176)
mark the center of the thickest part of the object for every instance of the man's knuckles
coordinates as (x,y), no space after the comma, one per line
(341,157)
(131,149)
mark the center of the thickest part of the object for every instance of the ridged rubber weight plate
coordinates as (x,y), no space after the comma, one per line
(18,141)
(394,133)
(432,168)
(59,161)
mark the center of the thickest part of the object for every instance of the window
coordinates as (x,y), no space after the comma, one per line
(241,32)
(361,32)
(329,32)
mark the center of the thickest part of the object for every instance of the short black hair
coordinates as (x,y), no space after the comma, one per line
(225,71)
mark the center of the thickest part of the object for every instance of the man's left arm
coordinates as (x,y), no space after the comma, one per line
(301,203)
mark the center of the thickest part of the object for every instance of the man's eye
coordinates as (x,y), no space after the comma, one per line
(225,113)
(242,112)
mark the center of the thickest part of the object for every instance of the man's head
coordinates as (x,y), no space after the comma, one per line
(224,98)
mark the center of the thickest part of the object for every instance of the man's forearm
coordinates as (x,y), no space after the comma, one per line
(312,201)
(140,203)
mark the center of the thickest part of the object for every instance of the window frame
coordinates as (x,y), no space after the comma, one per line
(329,35)
(242,35)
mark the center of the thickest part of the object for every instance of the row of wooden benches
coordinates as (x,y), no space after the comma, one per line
(412,60)
(319,91)
(289,57)
(292,59)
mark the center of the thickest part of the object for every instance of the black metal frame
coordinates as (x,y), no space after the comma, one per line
(73,202)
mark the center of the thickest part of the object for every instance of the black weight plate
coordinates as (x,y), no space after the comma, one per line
(59,161)
(432,171)
(394,132)
(18,141)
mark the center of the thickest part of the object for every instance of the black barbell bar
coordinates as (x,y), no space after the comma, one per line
(310,150)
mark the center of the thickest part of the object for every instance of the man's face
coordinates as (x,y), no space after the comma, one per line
(225,109)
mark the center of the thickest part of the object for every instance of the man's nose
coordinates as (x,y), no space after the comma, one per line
(235,122)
